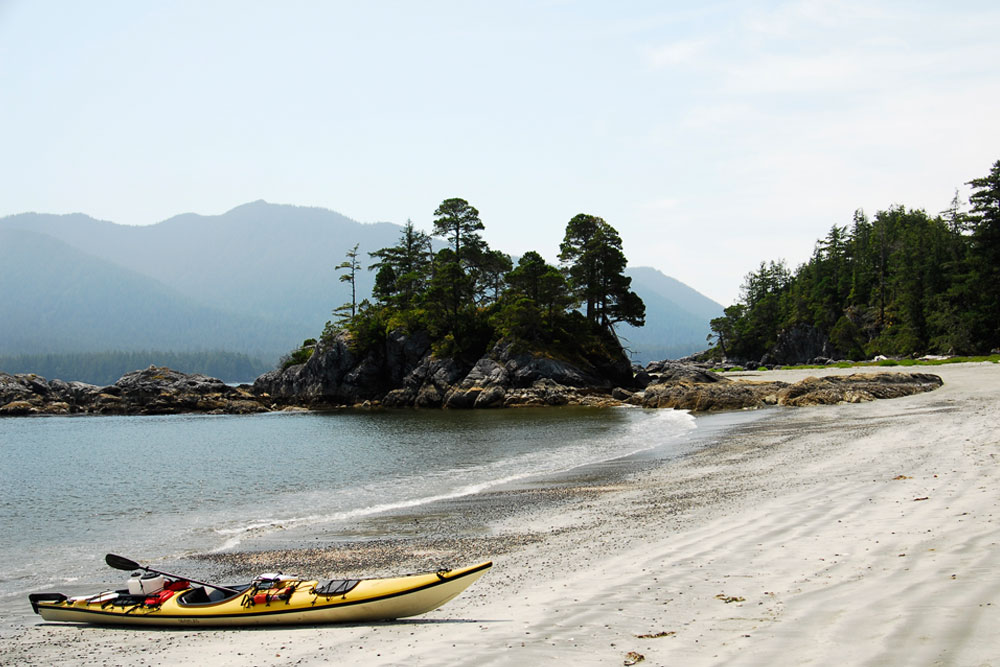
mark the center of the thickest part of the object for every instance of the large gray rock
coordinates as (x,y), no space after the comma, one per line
(13,388)
(676,371)
(30,394)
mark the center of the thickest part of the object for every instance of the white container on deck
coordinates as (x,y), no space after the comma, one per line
(152,583)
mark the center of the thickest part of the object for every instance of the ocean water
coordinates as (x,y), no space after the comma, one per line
(159,488)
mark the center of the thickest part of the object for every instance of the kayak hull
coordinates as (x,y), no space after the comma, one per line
(369,600)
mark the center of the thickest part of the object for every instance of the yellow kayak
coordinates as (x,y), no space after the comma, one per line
(268,600)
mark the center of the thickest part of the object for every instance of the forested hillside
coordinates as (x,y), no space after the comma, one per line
(897,283)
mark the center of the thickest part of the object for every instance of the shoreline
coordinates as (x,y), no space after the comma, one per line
(859,534)
(163,391)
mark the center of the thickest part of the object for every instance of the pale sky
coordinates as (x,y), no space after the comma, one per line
(711,135)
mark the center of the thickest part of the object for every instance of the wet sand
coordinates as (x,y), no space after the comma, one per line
(849,534)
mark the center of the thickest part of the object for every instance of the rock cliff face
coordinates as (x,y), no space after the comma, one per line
(154,391)
(801,344)
(404,373)
(334,375)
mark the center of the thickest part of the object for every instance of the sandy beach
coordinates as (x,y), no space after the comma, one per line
(862,534)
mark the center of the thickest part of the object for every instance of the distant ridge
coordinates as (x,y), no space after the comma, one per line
(57,298)
(677,317)
(269,266)
(257,280)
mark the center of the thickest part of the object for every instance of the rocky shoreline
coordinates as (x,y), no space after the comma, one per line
(507,380)
(153,391)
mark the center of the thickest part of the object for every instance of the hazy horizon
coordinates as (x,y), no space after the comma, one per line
(713,137)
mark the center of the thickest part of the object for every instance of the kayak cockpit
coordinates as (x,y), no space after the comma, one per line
(204,595)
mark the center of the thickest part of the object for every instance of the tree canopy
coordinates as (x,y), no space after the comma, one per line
(468,296)
(402,269)
(458,221)
(592,252)
(899,283)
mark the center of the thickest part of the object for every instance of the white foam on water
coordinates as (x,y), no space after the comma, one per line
(649,431)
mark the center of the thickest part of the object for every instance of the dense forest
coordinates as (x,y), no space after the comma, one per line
(104,368)
(898,283)
(467,296)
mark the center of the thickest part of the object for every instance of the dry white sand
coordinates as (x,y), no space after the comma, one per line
(841,535)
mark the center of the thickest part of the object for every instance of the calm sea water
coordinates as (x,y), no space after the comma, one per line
(159,488)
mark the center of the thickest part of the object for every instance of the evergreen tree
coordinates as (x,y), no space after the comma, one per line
(448,298)
(577,250)
(725,329)
(351,266)
(524,280)
(762,315)
(402,270)
(901,283)
(984,256)
(956,219)
(456,270)
(592,250)
(489,273)
(458,221)
(543,284)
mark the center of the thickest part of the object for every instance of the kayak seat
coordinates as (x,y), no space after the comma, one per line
(198,596)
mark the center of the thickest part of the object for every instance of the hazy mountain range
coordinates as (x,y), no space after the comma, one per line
(256,280)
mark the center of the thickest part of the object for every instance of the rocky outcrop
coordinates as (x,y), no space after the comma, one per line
(702,397)
(403,372)
(800,344)
(675,371)
(153,391)
(725,394)
(856,388)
